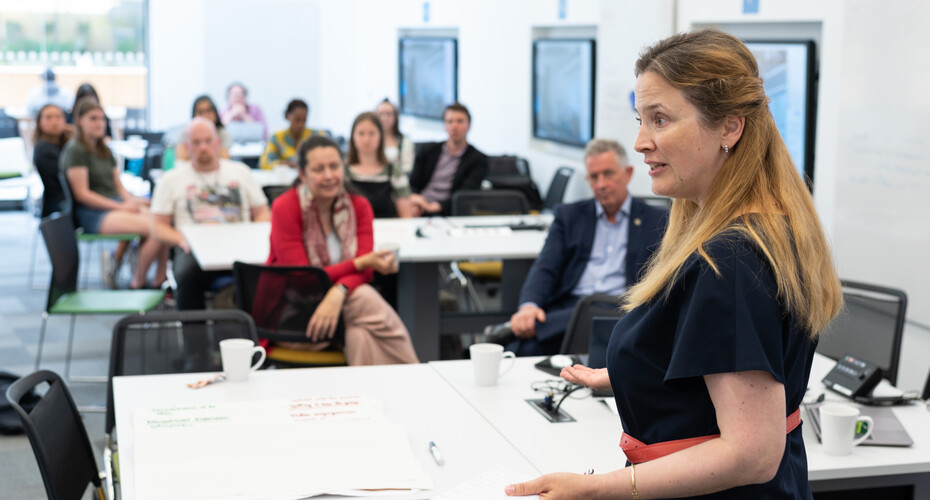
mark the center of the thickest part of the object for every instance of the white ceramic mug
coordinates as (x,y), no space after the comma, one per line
(838,424)
(486,361)
(237,357)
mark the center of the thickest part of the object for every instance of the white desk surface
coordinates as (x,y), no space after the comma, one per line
(217,246)
(593,441)
(278,176)
(252,149)
(414,396)
(867,460)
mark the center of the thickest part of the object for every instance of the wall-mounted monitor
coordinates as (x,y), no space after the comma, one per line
(428,75)
(563,90)
(789,75)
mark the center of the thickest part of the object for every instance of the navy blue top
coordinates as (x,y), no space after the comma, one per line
(710,324)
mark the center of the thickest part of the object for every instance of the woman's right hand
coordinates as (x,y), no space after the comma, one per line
(595,378)
(323,323)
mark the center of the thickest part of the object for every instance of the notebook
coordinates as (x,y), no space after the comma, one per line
(888,430)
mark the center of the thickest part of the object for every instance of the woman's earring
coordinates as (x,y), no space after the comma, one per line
(726,149)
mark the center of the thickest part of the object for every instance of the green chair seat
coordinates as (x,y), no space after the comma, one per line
(13,174)
(108,302)
(82,236)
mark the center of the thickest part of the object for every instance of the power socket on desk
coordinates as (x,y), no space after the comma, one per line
(542,407)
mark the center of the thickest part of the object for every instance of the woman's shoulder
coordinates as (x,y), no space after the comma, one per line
(731,248)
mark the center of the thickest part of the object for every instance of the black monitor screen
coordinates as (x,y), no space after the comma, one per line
(789,77)
(563,90)
(428,75)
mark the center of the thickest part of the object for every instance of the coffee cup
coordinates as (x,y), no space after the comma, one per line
(391,247)
(486,362)
(237,355)
(839,428)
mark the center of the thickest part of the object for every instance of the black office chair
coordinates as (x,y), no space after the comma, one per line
(8,126)
(172,342)
(869,327)
(281,301)
(578,331)
(557,187)
(272,192)
(58,437)
(496,202)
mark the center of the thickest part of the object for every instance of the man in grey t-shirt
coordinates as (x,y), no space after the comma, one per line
(443,168)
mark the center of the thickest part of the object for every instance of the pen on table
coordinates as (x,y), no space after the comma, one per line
(434,451)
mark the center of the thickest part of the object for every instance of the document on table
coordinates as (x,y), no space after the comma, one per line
(289,448)
(489,485)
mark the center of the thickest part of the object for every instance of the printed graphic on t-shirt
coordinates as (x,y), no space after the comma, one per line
(215,204)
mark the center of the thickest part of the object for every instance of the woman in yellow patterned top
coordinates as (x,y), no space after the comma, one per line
(282,145)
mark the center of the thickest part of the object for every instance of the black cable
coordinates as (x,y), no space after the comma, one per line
(564,396)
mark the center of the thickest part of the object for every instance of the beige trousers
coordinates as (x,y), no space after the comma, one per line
(375,335)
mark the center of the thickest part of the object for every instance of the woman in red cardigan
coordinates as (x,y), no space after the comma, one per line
(318,223)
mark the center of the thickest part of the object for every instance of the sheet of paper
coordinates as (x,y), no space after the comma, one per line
(272,449)
(489,485)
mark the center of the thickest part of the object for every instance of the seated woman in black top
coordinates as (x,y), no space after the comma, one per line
(383,183)
(50,135)
(720,333)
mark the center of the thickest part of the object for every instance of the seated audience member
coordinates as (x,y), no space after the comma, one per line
(398,148)
(596,245)
(206,190)
(318,223)
(283,144)
(443,168)
(101,203)
(237,110)
(204,108)
(50,136)
(48,92)
(87,91)
(384,184)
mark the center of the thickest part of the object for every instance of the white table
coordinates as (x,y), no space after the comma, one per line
(414,396)
(216,247)
(593,441)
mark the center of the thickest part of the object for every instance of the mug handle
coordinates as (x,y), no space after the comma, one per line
(261,350)
(868,431)
(513,360)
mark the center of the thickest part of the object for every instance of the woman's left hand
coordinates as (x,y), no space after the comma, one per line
(323,323)
(553,486)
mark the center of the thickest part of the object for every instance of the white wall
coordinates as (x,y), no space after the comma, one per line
(342,57)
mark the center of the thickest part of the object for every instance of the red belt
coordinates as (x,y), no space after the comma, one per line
(637,452)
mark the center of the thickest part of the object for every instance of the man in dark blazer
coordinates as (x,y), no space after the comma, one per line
(443,168)
(596,245)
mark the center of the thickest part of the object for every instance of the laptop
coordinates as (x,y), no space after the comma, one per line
(245,131)
(601,329)
(888,430)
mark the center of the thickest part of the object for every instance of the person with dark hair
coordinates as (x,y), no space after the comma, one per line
(398,148)
(238,110)
(86,90)
(205,108)
(48,92)
(384,184)
(443,168)
(101,203)
(319,223)
(712,359)
(50,136)
(282,146)
(206,190)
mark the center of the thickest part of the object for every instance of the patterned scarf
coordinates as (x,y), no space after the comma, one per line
(344,224)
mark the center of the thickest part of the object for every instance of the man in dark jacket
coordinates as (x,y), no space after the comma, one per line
(595,245)
(443,168)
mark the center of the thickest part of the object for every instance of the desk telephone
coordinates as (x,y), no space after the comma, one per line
(853,377)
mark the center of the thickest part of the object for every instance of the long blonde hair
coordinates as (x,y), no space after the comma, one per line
(718,75)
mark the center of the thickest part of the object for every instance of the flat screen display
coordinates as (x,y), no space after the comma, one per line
(789,77)
(428,75)
(563,90)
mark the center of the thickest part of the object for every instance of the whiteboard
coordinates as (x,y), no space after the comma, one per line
(882,207)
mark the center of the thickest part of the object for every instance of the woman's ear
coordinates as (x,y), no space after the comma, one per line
(733,129)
